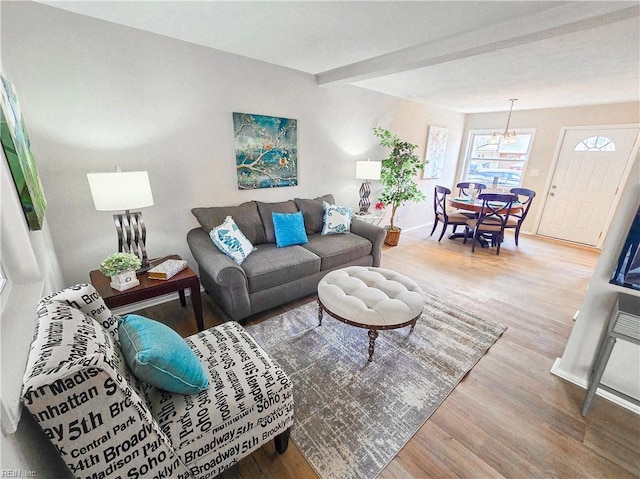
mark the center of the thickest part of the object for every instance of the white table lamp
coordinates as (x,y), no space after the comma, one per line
(124,190)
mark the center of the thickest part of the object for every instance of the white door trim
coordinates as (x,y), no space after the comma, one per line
(554,163)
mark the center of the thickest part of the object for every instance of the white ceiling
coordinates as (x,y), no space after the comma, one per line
(464,56)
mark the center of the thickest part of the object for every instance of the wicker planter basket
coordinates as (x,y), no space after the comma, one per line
(393,236)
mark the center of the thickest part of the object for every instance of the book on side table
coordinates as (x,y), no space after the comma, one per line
(167,269)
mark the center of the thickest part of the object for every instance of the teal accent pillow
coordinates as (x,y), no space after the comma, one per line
(158,355)
(289,229)
(337,219)
(231,241)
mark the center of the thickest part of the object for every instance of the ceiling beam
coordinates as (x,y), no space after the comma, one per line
(568,18)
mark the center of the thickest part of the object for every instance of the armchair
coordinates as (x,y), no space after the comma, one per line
(107,423)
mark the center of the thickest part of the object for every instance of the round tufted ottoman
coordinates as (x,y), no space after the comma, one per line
(370,298)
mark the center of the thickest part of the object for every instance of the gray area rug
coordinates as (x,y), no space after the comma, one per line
(352,417)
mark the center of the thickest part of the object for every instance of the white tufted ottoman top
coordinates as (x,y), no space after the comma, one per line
(370,296)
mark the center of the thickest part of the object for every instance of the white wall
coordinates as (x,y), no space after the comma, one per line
(623,368)
(548,124)
(97,95)
(30,263)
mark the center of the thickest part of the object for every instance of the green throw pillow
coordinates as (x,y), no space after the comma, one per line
(158,355)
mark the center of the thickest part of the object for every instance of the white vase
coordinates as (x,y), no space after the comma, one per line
(124,280)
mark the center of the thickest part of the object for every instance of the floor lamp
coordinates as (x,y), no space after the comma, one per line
(125,190)
(366,170)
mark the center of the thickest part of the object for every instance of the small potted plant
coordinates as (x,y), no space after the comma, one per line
(397,177)
(121,267)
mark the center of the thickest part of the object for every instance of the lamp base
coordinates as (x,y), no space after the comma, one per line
(132,234)
(364,204)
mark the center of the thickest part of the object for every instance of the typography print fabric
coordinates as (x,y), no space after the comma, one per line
(105,423)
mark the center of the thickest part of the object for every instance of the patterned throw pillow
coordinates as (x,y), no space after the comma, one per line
(289,229)
(337,219)
(229,239)
(159,356)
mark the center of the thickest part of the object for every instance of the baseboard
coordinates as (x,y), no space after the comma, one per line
(413,228)
(147,303)
(579,381)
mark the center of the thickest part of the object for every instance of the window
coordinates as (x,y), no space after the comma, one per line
(596,143)
(486,161)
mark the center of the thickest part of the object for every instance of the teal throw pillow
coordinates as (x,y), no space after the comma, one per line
(229,239)
(289,229)
(337,219)
(158,355)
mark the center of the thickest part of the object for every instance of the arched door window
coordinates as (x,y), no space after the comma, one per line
(596,143)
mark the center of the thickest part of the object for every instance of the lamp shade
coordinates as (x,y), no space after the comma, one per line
(368,170)
(120,190)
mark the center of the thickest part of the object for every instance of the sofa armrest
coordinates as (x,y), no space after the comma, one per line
(373,233)
(220,267)
(220,275)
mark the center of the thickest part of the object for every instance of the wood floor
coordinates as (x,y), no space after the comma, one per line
(510,417)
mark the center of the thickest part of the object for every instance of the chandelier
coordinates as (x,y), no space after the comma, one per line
(508,138)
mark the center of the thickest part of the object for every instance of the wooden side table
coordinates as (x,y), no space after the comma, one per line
(151,288)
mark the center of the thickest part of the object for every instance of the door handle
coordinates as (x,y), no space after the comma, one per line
(552,194)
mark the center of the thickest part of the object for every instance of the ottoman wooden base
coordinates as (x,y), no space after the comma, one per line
(370,298)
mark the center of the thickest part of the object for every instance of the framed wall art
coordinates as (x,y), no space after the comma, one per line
(435,151)
(17,149)
(266,151)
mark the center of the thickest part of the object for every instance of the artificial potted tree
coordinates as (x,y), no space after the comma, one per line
(397,177)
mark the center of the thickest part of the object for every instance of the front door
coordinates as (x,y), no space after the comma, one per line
(586,178)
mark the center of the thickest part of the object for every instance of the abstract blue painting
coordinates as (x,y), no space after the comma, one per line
(266,151)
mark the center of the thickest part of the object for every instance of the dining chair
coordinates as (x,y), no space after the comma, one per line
(442,214)
(525,197)
(492,219)
(465,187)
(464,191)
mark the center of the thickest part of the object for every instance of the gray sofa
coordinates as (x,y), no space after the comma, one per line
(271,276)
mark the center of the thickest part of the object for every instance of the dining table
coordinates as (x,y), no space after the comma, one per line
(466,203)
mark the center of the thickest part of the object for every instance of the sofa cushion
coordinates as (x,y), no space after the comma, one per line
(65,341)
(289,229)
(337,219)
(337,250)
(246,217)
(159,356)
(229,239)
(64,334)
(266,209)
(271,266)
(250,401)
(313,212)
(85,298)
